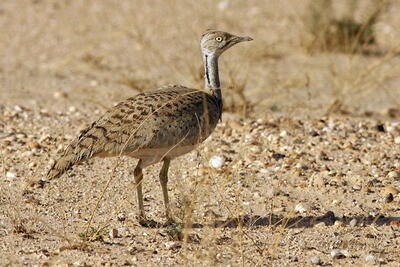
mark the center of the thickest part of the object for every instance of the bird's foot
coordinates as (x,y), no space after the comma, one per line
(143,221)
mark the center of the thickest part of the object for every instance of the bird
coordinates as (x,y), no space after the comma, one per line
(156,126)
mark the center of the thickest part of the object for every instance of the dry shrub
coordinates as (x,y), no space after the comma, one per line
(344,34)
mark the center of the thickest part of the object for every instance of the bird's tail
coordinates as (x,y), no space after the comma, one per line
(83,148)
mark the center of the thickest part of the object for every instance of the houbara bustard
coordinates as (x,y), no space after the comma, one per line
(156,125)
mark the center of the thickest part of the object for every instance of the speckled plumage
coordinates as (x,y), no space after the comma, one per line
(148,126)
(157,125)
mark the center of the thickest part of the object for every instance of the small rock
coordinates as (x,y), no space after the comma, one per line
(32,164)
(338,223)
(113,233)
(356,187)
(217,162)
(370,259)
(319,181)
(302,207)
(315,260)
(337,254)
(11,175)
(256,149)
(353,222)
(94,83)
(345,253)
(34,145)
(121,217)
(397,140)
(283,133)
(278,156)
(393,174)
(72,109)
(380,127)
(390,190)
(395,223)
(60,94)
(172,245)
(18,108)
(389,198)
(27,153)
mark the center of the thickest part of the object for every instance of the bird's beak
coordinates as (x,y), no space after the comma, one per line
(238,39)
(245,38)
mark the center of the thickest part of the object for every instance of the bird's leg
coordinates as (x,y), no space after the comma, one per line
(164,182)
(138,181)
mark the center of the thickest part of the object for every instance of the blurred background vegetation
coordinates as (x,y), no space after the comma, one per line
(312,58)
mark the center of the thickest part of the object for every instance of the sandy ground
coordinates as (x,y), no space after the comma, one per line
(310,142)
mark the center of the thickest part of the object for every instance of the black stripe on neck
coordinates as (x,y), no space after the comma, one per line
(207,75)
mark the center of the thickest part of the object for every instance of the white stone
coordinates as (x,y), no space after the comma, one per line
(315,260)
(222,5)
(172,245)
(336,253)
(302,207)
(397,140)
(11,175)
(353,222)
(72,109)
(370,259)
(217,162)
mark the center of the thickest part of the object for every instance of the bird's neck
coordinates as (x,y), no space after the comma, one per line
(211,75)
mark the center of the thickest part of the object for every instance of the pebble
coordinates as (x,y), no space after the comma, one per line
(27,153)
(389,198)
(370,259)
(32,164)
(315,260)
(113,233)
(393,174)
(397,140)
(72,109)
(11,175)
(59,94)
(353,222)
(94,83)
(34,145)
(320,225)
(217,162)
(121,217)
(390,190)
(345,252)
(356,187)
(172,245)
(338,223)
(18,108)
(338,254)
(256,149)
(319,181)
(302,207)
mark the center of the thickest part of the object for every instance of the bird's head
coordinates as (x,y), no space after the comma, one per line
(214,43)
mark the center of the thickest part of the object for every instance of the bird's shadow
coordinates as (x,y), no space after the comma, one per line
(327,219)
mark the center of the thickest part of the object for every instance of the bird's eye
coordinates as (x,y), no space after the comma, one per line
(218,39)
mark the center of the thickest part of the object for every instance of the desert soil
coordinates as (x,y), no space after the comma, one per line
(309,144)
